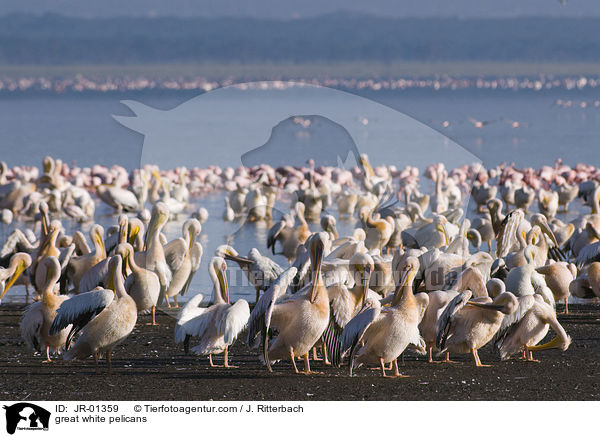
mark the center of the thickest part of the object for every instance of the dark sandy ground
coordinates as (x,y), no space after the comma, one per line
(149,366)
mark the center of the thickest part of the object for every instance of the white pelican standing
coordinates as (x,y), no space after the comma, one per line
(142,284)
(218,325)
(380,335)
(300,319)
(105,318)
(38,317)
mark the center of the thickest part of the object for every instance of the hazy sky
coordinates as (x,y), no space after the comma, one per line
(302,8)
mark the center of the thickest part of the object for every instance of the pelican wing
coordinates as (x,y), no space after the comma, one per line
(175,253)
(354,331)
(445,321)
(31,325)
(16,242)
(340,314)
(94,277)
(234,320)
(187,313)
(260,317)
(588,255)
(510,321)
(507,234)
(79,310)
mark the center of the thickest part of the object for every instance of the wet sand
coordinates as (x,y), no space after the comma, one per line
(149,366)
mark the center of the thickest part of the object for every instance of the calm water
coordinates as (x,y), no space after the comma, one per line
(80,128)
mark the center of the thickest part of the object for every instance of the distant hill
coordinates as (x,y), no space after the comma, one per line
(56,39)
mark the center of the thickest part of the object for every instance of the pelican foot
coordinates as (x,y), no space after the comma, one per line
(231,366)
(483,365)
(47,361)
(310,372)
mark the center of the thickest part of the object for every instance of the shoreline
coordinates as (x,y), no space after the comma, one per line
(149,366)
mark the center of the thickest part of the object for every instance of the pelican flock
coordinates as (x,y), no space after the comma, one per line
(360,266)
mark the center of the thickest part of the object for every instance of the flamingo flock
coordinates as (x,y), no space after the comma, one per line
(440,262)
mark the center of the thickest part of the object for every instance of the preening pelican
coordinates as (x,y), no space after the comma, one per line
(347,302)
(105,318)
(39,316)
(559,276)
(529,328)
(465,326)
(19,262)
(380,335)
(300,319)
(183,256)
(216,326)
(81,264)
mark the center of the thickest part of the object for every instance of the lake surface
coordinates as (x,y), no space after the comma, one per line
(400,128)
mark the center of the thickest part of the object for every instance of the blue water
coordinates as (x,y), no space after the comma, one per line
(80,128)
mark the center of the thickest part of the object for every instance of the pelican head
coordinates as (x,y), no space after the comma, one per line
(136,227)
(408,273)
(97,234)
(123,228)
(125,250)
(505,302)
(541,221)
(440,223)
(316,250)
(328,225)
(18,264)
(53,270)
(160,215)
(495,287)
(191,228)
(529,253)
(219,267)
(363,265)
(230,254)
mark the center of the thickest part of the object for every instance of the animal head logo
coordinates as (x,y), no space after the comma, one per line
(26,416)
(284,124)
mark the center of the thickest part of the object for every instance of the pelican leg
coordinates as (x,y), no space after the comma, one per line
(489,246)
(447,359)
(566,305)
(397,373)
(211,361)
(325,357)
(382,365)
(108,362)
(227,365)
(154,315)
(293,358)
(96,362)
(314,353)
(48,359)
(530,357)
(176,304)
(430,355)
(477,360)
(167,299)
(307,370)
